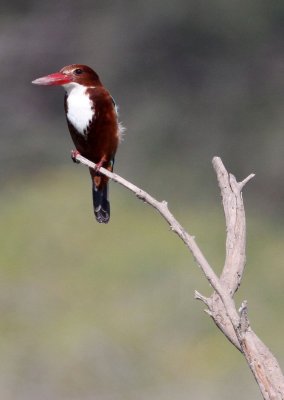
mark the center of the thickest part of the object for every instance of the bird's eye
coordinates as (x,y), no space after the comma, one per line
(78,71)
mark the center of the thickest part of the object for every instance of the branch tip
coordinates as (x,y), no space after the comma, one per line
(208,312)
(216,159)
(199,296)
(245,181)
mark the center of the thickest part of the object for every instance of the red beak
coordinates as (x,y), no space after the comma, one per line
(56,79)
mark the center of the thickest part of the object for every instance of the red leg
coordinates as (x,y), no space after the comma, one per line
(100,163)
(74,154)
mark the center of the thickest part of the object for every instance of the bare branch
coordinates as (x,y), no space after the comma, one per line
(221,306)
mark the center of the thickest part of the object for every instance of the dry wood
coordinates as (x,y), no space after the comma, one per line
(221,306)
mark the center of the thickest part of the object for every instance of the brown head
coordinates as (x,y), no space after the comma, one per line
(76,73)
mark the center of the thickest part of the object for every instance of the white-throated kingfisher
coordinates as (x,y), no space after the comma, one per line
(92,120)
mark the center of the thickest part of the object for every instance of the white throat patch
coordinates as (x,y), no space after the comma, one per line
(79,106)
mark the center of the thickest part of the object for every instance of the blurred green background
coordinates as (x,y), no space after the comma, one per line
(107,312)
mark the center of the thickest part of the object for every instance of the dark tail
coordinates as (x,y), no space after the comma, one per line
(101,204)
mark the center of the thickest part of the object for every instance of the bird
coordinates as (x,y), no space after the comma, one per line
(92,119)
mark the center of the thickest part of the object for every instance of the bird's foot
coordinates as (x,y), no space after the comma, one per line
(100,164)
(74,154)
